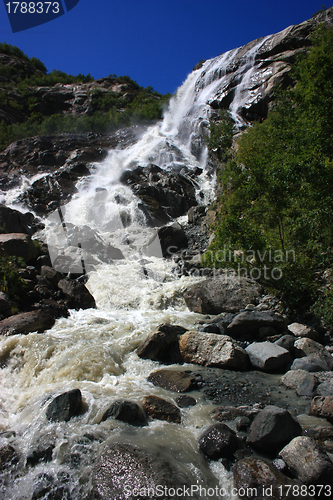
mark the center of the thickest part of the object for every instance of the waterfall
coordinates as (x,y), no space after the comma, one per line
(94,350)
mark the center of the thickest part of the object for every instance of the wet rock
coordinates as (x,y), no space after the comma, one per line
(272,429)
(162,344)
(40,455)
(268,356)
(160,409)
(302,381)
(249,322)
(8,457)
(24,323)
(173,380)
(51,274)
(307,461)
(137,468)
(221,294)
(13,221)
(18,244)
(126,411)
(219,441)
(259,479)
(210,349)
(322,406)
(185,401)
(172,239)
(242,423)
(47,487)
(325,388)
(287,342)
(65,406)
(232,412)
(299,330)
(308,347)
(310,364)
(77,295)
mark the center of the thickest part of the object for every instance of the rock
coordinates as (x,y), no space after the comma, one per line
(259,479)
(287,342)
(51,274)
(242,423)
(13,221)
(325,388)
(172,239)
(231,412)
(127,468)
(40,455)
(18,244)
(308,347)
(5,304)
(77,295)
(310,364)
(65,406)
(32,321)
(268,356)
(251,321)
(322,406)
(302,381)
(126,411)
(166,195)
(185,401)
(162,344)
(219,441)
(173,380)
(299,330)
(8,457)
(221,294)
(307,461)
(272,429)
(47,487)
(161,409)
(210,349)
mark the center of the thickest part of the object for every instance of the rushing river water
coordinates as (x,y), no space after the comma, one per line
(94,350)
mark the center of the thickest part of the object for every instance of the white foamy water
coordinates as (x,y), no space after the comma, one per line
(94,350)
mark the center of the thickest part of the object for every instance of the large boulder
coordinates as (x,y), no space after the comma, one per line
(308,347)
(162,344)
(221,294)
(128,471)
(268,356)
(307,461)
(161,409)
(13,221)
(249,322)
(172,239)
(65,406)
(19,245)
(32,321)
(219,441)
(322,406)
(173,380)
(300,330)
(302,381)
(310,364)
(272,429)
(76,294)
(210,349)
(126,411)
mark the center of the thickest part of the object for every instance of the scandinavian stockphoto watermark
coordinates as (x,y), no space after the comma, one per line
(26,15)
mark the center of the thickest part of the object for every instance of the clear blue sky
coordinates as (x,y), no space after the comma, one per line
(156,42)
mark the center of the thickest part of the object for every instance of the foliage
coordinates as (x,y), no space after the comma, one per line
(277,191)
(11,282)
(220,137)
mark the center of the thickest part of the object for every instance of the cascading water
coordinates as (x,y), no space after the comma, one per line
(94,350)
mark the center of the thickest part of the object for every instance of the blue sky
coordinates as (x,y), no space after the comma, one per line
(156,42)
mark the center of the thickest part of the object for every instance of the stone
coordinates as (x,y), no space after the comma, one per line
(219,441)
(185,401)
(46,486)
(8,457)
(232,412)
(210,349)
(77,295)
(221,294)
(249,322)
(242,423)
(322,406)
(173,380)
(160,409)
(18,244)
(286,341)
(51,274)
(307,461)
(272,429)
(13,221)
(172,239)
(299,330)
(310,364)
(302,381)
(268,356)
(126,411)
(137,468)
(65,406)
(262,480)
(24,323)
(162,344)
(308,347)
(5,304)
(325,388)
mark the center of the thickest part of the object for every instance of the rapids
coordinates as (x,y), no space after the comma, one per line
(94,350)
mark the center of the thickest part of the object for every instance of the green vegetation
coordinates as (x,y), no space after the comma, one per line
(109,110)
(276,208)
(11,282)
